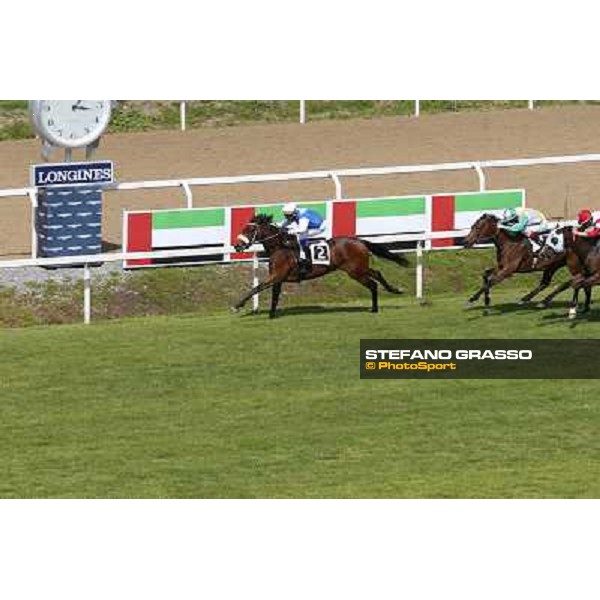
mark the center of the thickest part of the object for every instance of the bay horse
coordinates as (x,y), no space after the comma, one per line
(513,255)
(347,254)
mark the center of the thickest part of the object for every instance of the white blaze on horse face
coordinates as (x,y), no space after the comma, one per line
(243,238)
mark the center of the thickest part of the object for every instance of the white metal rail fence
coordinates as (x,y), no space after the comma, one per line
(334,175)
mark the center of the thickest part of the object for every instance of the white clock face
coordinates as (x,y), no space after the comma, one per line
(71,123)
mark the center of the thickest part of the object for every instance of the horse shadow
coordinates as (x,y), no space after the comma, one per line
(557,312)
(499,309)
(593,316)
(317,309)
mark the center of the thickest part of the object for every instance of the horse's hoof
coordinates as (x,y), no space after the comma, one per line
(469,304)
(572,313)
(234,309)
(542,305)
(523,302)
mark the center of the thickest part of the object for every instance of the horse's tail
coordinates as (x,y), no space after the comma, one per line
(383,251)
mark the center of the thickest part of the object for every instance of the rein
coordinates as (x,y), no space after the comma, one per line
(265,239)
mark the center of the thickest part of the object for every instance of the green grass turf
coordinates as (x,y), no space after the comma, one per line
(239,406)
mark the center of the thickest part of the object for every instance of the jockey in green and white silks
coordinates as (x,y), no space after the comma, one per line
(527,221)
(513,222)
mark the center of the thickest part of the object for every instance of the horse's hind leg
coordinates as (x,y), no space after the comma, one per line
(364,279)
(574,302)
(378,276)
(545,302)
(544,283)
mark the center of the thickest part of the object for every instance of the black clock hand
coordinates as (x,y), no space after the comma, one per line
(78,106)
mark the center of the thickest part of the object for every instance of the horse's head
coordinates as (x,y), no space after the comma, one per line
(258,229)
(482,230)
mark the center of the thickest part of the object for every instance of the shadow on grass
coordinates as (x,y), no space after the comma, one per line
(500,309)
(593,316)
(315,309)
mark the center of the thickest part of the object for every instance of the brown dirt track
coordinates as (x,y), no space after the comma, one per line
(254,149)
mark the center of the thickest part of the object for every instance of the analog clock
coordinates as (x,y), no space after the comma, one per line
(70,123)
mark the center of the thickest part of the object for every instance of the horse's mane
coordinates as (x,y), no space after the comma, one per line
(262,219)
(490,216)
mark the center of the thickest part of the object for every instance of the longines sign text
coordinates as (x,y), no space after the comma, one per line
(72,173)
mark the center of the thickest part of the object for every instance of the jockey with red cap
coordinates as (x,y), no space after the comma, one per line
(586,225)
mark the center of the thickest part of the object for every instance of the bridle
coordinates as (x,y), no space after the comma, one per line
(253,240)
(479,225)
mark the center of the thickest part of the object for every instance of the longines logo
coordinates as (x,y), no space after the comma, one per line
(72,173)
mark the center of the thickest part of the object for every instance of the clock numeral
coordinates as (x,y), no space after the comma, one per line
(50,122)
(97,119)
(87,129)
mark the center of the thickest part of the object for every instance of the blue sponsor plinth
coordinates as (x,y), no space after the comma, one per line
(69,221)
(69,212)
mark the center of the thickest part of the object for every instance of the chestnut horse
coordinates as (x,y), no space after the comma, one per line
(347,254)
(513,255)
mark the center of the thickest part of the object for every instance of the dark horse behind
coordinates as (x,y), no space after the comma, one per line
(583,262)
(348,254)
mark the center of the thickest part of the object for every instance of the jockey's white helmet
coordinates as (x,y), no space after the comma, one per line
(289,209)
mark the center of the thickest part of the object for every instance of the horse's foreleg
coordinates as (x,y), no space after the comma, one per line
(275,298)
(588,299)
(494,279)
(263,285)
(544,283)
(481,290)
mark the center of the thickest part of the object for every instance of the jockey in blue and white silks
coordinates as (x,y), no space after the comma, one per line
(302,223)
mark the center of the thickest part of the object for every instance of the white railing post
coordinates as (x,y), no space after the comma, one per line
(87,294)
(188,194)
(419,271)
(417,108)
(338,185)
(302,111)
(182,114)
(255,281)
(481,176)
(530,104)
